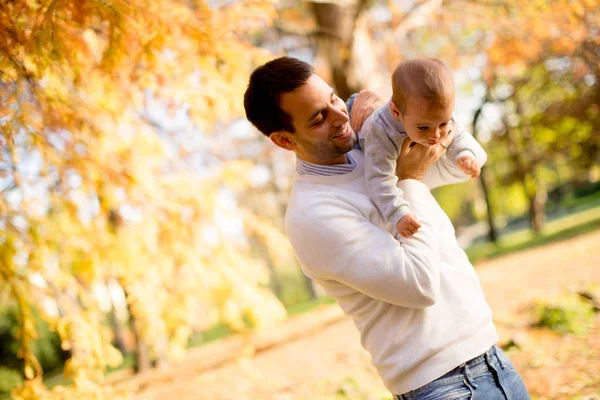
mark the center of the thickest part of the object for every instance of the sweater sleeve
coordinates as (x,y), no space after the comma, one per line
(381,157)
(445,171)
(335,241)
(465,144)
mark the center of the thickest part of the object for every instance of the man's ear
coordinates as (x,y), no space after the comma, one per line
(395,112)
(283,139)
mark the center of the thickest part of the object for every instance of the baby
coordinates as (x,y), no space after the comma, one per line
(421,111)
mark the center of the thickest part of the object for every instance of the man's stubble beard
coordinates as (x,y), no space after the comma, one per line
(327,151)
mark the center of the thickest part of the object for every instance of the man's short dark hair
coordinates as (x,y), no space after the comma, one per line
(267,83)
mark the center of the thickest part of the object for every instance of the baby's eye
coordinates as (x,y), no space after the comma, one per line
(422,128)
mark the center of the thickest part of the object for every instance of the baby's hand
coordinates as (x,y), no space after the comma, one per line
(408,225)
(468,165)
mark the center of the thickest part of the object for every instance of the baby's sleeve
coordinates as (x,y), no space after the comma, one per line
(465,144)
(381,156)
(445,170)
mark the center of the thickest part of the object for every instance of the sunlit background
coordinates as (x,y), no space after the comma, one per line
(141,215)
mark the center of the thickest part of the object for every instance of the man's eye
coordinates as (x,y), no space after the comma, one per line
(444,124)
(318,122)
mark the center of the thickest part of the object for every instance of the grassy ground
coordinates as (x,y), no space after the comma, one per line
(559,229)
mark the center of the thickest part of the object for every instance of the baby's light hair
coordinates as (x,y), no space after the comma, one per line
(428,78)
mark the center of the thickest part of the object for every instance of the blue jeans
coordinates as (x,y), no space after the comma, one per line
(491,376)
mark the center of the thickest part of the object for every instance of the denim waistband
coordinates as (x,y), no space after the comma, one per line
(477,365)
(472,368)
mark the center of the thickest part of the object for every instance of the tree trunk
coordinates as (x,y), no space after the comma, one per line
(335,37)
(537,214)
(263,253)
(524,172)
(309,287)
(493,231)
(143,361)
(537,196)
(114,323)
(483,180)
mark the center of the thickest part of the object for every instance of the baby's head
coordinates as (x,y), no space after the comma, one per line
(423,99)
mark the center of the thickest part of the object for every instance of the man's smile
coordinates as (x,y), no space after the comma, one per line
(344,133)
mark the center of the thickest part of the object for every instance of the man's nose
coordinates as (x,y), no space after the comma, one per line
(339,117)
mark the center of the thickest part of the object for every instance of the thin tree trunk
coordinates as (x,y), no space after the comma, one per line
(263,253)
(524,172)
(537,214)
(483,181)
(537,195)
(114,323)
(143,361)
(309,287)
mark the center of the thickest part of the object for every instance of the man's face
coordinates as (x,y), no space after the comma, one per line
(425,123)
(323,133)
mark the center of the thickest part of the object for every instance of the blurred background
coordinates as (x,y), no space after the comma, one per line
(141,215)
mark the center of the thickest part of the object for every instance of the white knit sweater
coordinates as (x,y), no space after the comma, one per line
(417,302)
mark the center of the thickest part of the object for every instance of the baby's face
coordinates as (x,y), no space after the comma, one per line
(427,124)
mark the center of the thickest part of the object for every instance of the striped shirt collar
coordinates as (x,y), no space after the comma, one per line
(306,168)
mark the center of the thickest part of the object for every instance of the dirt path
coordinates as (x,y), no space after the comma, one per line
(330,364)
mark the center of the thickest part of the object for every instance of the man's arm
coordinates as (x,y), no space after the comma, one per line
(339,243)
(445,170)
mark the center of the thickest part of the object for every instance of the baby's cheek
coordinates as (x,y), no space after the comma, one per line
(415,135)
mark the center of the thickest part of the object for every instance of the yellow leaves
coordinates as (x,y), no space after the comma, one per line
(89,342)
(100,91)
(30,390)
(95,43)
(266,311)
(513,53)
(275,241)
(54,86)
(8,249)
(232,315)
(536,26)
(243,16)
(86,390)
(30,65)
(84,268)
(29,372)
(252,309)
(236,174)
(113,199)
(33,4)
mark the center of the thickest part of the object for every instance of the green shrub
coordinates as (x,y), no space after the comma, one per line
(46,348)
(9,378)
(570,315)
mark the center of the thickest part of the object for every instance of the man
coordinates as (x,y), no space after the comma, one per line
(417,301)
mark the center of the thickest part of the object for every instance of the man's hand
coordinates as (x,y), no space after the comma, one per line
(469,166)
(408,225)
(415,159)
(364,105)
